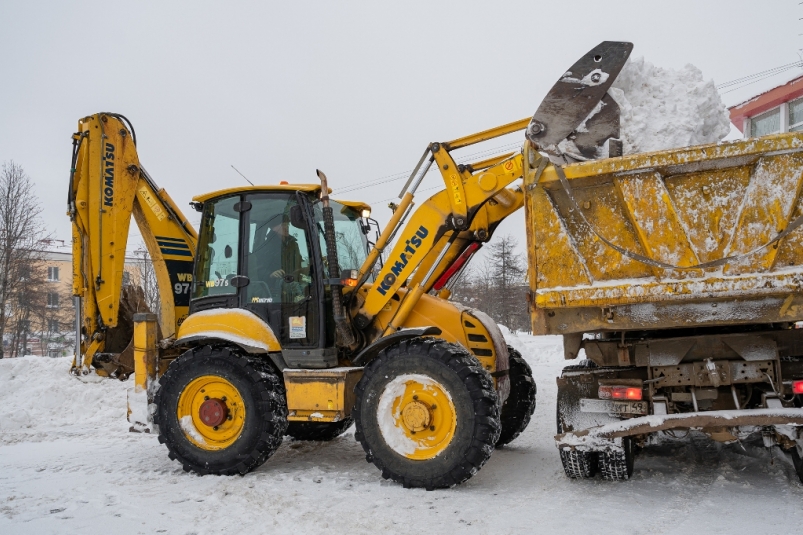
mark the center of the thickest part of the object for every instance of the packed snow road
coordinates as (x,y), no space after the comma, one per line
(69,465)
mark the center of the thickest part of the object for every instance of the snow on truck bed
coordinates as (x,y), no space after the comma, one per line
(69,465)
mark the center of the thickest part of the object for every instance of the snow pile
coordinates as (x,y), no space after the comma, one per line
(666,108)
(40,397)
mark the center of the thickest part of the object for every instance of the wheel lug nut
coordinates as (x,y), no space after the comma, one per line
(432,428)
(206,398)
(223,398)
(215,428)
(415,397)
(228,417)
(433,407)
(412,432)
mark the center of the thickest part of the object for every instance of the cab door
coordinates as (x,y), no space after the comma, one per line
(279,260)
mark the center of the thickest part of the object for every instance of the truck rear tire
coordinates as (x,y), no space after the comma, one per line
(220,412)
(578,464)
(798,462)
(324,431)
(618,465)
(520,404)
(426,413)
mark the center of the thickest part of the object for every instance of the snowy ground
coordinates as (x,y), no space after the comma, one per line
(69,465)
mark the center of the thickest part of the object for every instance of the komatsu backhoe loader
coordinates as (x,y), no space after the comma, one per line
(285,326)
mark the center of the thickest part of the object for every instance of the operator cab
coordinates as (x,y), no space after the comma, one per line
(262,249)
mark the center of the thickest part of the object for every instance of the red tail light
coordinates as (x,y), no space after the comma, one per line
(620,392)
(797,387)
(456,265)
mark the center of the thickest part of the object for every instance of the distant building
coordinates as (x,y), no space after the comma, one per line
(778,110)
(52,331)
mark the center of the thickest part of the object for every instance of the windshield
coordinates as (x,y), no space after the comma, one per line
(217,248)
(352,244)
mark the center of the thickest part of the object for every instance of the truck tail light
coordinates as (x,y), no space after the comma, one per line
(621,392)
(797,387)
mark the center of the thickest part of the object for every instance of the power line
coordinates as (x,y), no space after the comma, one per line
(745,81)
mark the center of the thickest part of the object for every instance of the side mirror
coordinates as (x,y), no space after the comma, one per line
(297,217)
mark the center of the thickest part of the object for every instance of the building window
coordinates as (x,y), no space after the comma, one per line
(53,274)
(52,300)
(766,123)
(126,278)
(796,115)
(53,326)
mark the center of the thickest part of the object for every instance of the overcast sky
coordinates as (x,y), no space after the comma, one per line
(356,89)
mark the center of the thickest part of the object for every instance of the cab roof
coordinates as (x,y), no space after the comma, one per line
(306,188)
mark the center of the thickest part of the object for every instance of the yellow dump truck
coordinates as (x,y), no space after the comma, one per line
(679,274)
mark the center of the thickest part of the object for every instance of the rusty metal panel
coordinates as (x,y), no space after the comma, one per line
(679,208)
(565,269)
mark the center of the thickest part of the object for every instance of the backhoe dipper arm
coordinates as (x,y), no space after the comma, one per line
(108,186)
(475,200)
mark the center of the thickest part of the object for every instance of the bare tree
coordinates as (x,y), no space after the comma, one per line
(21,235)
(143,275)
(497,285)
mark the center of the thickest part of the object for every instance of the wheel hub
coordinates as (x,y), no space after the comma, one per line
(416,416)
(213,412)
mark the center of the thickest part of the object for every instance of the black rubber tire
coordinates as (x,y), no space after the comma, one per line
(618,465)
(263,394)
(323,431)
(578,464)
(474,398)
(520,404)
(798,462)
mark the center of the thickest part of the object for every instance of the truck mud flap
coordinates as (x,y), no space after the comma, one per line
(608,436)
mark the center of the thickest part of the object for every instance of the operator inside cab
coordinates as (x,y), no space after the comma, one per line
(278,258)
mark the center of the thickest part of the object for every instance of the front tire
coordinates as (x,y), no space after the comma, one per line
(220,412)
(520,404)
(426,413)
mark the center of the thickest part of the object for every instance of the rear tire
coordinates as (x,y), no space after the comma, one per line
(520,404)
(618,465)
(798,462)
(426,413)
(256,403)
(323,431)
(578,464)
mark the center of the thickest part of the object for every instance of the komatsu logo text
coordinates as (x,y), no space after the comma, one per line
(398,266)
(108,175)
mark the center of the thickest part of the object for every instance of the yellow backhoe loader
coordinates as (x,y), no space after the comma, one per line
(280,317)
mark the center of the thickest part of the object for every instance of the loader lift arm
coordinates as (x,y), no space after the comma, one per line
(476,196)
(475,200)
(107,186)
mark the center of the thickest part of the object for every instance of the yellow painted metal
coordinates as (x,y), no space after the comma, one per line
(485,135)
(681,207)
(238,326)
(108,187)
(189,406)
(426,415)
(307,188)
(145,351)
(320,395)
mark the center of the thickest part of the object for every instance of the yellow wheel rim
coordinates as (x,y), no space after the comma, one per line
(211,412)
(416,416)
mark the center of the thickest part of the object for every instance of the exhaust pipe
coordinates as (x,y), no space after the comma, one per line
(344,335)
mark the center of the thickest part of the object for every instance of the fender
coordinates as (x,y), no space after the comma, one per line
(369,353)
(238,326)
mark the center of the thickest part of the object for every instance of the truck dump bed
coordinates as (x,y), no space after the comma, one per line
(699,236)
